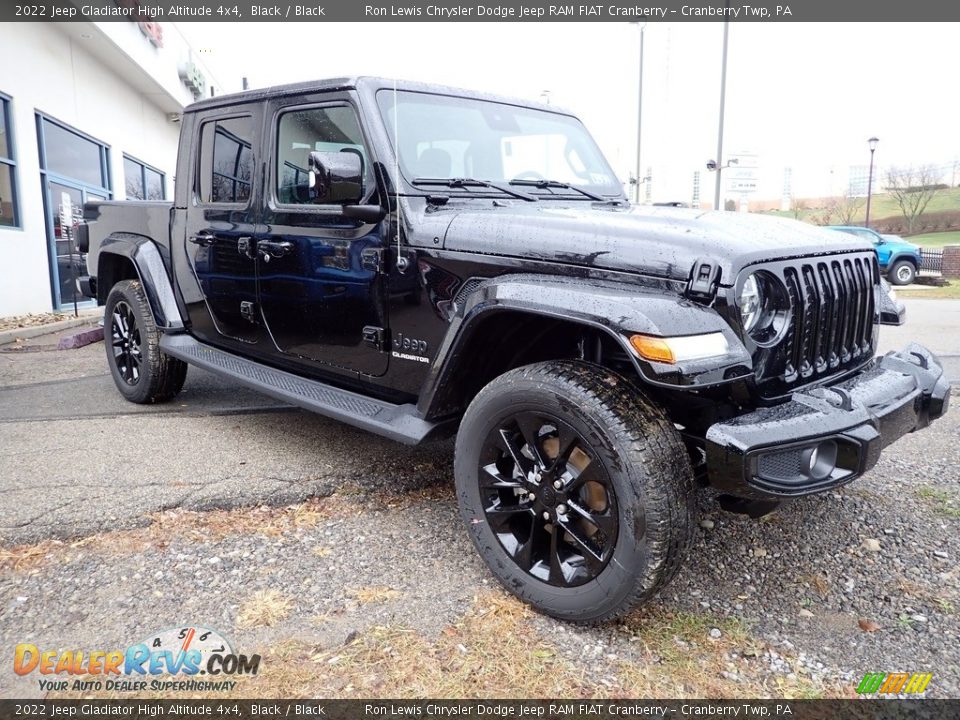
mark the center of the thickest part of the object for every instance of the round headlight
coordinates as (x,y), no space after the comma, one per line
(750,302)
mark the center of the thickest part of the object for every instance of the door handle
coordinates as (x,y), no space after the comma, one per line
(204,239)
(269,248)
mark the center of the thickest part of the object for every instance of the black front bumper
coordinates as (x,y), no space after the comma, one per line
(825,437)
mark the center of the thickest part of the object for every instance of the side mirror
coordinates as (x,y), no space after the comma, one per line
(336,177)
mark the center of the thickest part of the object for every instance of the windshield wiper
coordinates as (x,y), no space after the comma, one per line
(468,182)
(546,184)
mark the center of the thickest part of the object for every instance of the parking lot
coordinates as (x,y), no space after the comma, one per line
(363,546)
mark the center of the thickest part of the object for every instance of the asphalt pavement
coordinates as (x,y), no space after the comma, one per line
(75,458)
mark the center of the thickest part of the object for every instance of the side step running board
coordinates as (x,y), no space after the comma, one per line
(397,422)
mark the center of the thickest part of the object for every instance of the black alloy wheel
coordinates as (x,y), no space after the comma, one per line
(553,509)
(125,338)
(575,488)
(140,370)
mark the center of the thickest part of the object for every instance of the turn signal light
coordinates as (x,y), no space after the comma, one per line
(652,348)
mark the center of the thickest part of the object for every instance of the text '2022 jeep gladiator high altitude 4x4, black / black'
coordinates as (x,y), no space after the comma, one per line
(418,261)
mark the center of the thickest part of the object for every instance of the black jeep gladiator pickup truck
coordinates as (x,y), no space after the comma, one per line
(419,261)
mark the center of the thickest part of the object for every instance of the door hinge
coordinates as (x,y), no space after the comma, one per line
(248,310)
(372,259)
(704,278)
(376,337)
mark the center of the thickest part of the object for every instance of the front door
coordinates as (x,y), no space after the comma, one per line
(70,264)
(321,291)
(220,227)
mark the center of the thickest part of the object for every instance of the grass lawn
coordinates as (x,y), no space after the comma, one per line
(936,240)
(883,206)
(950,292)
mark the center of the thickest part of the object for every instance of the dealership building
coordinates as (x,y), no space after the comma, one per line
(88,111)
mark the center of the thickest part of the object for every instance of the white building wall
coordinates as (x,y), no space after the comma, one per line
(49,68)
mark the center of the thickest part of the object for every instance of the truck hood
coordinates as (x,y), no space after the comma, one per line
(659,241)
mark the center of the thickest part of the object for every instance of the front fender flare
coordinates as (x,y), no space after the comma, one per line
(145,256)
(614,308)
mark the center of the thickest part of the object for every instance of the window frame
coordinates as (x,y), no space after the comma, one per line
(274,118)
(197,173)
(6,102)
(143,178)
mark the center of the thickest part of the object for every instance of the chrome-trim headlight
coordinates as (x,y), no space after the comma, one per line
(750,302)
(764,308)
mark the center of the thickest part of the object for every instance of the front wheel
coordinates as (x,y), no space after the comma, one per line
(140,371)
(902,273)
(575,488)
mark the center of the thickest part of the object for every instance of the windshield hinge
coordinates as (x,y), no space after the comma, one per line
(704,278)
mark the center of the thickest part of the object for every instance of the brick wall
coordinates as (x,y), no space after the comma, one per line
(951,261)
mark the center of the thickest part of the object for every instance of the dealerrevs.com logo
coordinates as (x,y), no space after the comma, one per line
(170,660)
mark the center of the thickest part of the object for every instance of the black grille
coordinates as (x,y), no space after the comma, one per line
(832,306)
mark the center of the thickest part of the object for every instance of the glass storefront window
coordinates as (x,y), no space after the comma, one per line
(73,170)
(133,179)
(6,150)
(142,181)
(73,155)
(8,210)
(8,179)
(154,185)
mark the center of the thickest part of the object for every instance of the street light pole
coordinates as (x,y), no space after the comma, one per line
(723,97)
(872,143)
(643,27)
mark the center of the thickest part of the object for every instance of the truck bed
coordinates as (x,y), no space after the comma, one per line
(136,217)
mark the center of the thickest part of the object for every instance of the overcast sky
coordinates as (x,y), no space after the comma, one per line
(801,95)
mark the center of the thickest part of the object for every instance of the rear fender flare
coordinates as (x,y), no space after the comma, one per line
(145,257)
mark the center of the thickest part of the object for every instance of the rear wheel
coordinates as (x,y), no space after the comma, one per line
(902,273)
(575,489)
(140,371)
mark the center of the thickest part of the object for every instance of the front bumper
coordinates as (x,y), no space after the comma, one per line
(825,437)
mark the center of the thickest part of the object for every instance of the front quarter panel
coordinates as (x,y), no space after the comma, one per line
(617,309)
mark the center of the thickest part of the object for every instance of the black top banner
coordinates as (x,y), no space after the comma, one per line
(465,11)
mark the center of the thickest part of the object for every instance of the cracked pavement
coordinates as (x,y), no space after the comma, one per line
(75,458)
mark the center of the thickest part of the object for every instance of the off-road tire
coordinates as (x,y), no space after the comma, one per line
(160,377)
(644,457)
(902,272)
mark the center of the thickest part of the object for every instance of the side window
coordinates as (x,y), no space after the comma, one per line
(300,132)
(226,161)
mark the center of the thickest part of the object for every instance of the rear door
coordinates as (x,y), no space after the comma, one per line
(220,225)
(321,290)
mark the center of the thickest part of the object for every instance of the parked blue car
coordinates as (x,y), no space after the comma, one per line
(899,259)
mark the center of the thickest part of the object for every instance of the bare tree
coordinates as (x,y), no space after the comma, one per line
(847,208)
(912,188)
(798,208)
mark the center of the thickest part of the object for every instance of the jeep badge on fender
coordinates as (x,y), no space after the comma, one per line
(421,261)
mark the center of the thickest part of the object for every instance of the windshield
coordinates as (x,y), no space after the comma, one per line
(444,137)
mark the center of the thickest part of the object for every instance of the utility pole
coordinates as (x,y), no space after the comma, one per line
(643,27)
(723,97)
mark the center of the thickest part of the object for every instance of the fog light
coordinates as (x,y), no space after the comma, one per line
(819,461)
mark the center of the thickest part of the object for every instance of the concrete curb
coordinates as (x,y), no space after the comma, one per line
(78,340)
(9,336)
